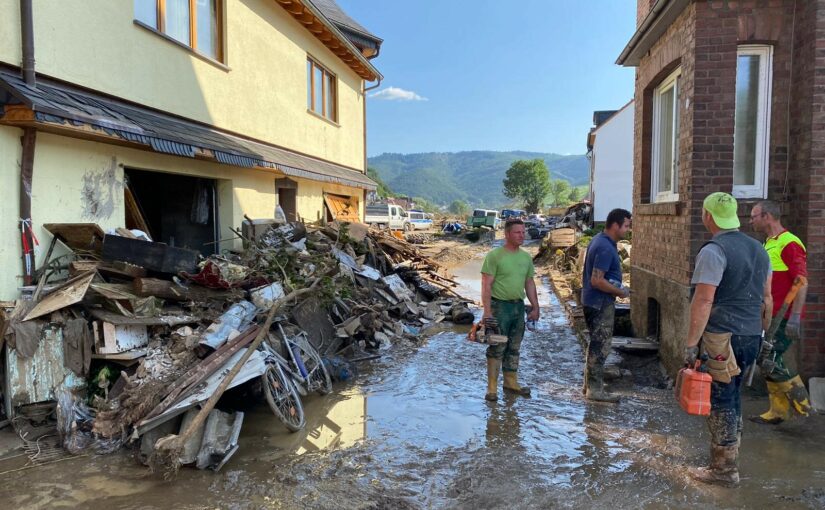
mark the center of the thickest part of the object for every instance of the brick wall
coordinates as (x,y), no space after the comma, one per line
(703,41)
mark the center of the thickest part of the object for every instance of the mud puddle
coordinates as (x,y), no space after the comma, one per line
(414,431)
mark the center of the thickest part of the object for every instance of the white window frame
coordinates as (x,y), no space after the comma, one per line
(672,195)
(763,121)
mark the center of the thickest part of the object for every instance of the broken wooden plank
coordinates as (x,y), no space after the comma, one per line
(65,295)
(78,236)
(134,354)
(112,339)
(117,291)
(166,289)
(163,320)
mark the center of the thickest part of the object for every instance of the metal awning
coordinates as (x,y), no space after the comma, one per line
(83,113)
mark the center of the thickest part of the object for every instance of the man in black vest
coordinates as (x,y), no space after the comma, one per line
(731,289)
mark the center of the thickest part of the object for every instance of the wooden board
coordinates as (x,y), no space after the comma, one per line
(114,339)
(342,209)
(65,295)
(634,345)
(562,237)
(163,320)
(78,236)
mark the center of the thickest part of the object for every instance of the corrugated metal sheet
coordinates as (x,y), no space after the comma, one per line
(58,103)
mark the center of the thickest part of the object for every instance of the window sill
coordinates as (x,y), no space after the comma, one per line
(220,65)
(658,209)
(318,116)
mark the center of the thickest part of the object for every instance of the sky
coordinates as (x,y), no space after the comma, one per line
(483,75)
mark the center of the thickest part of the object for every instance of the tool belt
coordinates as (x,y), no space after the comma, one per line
(721,363)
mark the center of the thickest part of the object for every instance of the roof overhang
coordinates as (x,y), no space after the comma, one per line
(306,13)
(71,111)
(661,16)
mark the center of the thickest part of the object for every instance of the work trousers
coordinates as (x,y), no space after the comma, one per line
(725,420)
(781,343)
(510,317)
(600,323)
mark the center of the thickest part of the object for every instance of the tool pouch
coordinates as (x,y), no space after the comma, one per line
(718,345)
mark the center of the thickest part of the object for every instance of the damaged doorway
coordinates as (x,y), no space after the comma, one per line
(287,190)
(177,209)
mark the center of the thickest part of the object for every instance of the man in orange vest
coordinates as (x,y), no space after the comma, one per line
(788,260)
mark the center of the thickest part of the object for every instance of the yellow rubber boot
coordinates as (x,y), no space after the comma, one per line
(780,405)
(798,396)
(511,384)
(493,368)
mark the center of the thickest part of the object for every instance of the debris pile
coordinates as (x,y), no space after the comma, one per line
(136,341)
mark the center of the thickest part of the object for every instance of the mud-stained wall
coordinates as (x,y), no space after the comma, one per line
(77,181)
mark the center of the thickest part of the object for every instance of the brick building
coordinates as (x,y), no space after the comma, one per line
(730,96)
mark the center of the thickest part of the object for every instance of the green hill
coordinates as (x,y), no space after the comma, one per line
(473,176)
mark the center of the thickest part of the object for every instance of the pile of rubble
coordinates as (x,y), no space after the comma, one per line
(141,338)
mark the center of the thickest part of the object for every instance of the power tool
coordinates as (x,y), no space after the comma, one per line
(486,331)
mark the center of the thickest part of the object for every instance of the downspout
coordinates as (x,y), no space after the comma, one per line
(28,141)
(364,114)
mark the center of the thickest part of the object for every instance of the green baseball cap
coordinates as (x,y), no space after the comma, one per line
(722,207)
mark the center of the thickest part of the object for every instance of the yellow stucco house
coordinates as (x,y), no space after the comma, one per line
(179,116)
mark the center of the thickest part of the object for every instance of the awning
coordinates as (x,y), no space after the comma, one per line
(86,114)
(342,208)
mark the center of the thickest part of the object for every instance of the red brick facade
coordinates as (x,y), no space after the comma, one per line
(703,41)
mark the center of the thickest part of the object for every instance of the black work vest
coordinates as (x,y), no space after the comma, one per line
(737,304)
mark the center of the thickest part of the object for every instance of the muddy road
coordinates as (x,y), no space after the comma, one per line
(414,431)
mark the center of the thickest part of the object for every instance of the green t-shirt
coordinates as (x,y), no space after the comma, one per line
(510,270)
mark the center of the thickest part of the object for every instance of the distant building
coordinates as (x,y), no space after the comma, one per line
(610,149)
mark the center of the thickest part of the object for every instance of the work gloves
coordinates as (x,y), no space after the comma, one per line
(793,328)
(691,353)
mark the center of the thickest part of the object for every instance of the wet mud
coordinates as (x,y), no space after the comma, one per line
(414,431)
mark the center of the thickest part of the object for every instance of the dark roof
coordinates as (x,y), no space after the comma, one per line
(59,103)
(600,117)
(359,35)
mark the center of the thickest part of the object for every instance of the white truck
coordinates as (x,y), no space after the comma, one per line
(389,216)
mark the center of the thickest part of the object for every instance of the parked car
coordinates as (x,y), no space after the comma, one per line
(484,218)
(420,220)
(512,213)
(389,216)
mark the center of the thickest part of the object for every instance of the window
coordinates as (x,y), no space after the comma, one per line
(665,157)
(321,91)
(751,135)
(195,23)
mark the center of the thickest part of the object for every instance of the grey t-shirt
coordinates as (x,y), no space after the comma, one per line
(711,263)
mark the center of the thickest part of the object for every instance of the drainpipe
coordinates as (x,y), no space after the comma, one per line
(28,141)
(27,33)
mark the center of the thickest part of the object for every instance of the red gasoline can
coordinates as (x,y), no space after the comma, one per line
(693,391)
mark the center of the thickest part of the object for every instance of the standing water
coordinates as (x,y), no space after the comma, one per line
(414,431)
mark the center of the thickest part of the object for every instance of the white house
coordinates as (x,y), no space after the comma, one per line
(610,148)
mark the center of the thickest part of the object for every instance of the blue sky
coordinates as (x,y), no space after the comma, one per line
(516,75)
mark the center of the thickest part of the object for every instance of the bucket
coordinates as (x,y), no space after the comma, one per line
(692,391)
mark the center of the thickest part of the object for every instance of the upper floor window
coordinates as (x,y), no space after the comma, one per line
(665,157)
(322,96)
(195,23)
(751,137)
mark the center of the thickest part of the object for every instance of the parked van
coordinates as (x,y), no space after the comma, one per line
(387,216)
(484,217)
(420,220)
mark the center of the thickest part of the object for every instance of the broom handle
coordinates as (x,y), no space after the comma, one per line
(213,400)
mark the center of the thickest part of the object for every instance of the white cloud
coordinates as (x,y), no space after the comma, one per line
(396,94)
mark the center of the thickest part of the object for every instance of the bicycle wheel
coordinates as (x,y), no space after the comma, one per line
(283,398)
(318,378)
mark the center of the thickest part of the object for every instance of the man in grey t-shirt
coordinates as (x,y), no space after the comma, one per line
(731,287)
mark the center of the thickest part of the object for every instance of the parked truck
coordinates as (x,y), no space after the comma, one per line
(389,216)
(484,218)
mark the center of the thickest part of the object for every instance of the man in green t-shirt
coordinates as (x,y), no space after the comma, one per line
(506,276)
